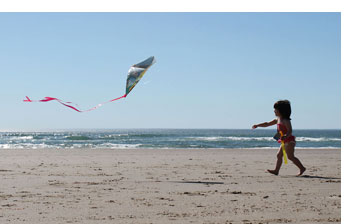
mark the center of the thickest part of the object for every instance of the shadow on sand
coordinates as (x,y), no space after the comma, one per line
(320,177)
(197,182)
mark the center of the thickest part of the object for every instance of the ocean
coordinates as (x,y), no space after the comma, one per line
(165,138)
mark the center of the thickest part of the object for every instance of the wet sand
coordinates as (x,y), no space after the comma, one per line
(167,186)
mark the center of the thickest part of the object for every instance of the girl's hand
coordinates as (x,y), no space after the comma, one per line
(254,126)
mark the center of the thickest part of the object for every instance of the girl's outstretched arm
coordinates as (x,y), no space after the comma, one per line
(265,124)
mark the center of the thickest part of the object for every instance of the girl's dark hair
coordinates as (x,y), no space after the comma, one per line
(284,108)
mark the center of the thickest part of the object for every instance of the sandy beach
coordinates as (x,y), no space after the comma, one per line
(167,186)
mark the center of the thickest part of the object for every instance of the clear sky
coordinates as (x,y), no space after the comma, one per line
(213,70)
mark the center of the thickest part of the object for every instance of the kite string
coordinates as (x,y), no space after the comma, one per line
(47,99)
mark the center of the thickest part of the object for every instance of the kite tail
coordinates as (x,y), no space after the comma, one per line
(67,104)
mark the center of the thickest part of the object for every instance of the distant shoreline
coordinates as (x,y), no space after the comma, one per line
(167,139)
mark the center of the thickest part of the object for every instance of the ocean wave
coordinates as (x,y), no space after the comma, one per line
(297,147)
(174,139)
(320,139)
(78,138)
(113,136)
(118,146)
(222,138)
(69,146)
(21,137)
(135,146)
(28,146)
(299,139)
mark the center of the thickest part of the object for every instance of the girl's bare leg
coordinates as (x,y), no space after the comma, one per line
(279,162)
(290,149)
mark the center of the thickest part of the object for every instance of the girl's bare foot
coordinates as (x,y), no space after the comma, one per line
(301,171)
(273,172)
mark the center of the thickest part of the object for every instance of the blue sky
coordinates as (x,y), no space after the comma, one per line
(213,70)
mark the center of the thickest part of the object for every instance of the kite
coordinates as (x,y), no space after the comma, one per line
(135,73)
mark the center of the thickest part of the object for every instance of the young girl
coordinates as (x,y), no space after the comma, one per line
(282,111)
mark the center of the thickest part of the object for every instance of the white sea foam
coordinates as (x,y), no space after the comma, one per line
(27,146)
(21,137)
(72,146)
(118,146)
(321,139)
(299,139)
(325,147)
(222,138)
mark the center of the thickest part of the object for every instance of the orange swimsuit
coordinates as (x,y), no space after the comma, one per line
(283,129)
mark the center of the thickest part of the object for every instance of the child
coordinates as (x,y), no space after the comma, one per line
(282,111)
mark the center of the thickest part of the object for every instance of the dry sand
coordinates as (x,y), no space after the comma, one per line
(167,186)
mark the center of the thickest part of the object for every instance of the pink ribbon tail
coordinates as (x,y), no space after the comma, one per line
(27,100)
(67,104)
